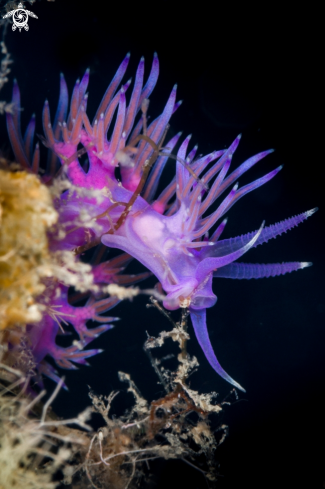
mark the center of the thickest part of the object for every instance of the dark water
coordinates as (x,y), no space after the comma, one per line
(254,72)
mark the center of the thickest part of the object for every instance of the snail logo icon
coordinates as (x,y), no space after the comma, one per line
(20,17)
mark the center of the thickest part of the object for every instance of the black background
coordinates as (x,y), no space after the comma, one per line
(238,69)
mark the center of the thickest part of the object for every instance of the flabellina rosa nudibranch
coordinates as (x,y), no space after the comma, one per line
(174,234)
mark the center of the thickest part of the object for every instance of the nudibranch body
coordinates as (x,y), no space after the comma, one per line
(174,234)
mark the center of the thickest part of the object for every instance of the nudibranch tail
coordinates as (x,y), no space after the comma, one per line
(201,332)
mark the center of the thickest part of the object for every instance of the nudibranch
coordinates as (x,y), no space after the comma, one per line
(174,234)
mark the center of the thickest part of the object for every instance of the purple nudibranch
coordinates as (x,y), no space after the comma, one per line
(174,234)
